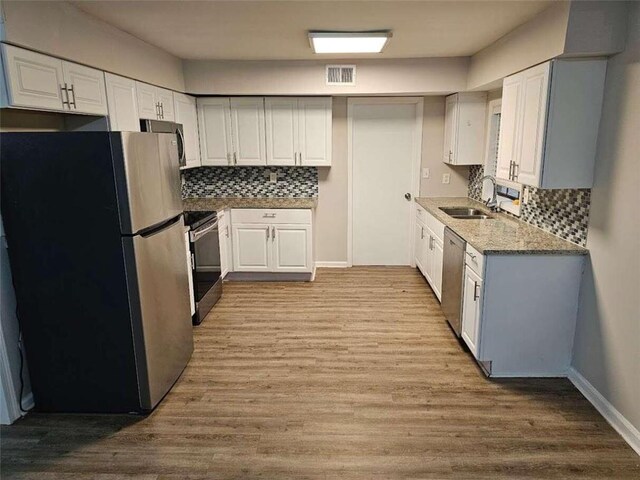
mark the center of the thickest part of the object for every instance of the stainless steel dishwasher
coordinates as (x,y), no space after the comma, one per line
(453,268)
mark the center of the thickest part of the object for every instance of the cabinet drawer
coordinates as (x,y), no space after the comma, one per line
(474,259)
(435,226)
(273,215)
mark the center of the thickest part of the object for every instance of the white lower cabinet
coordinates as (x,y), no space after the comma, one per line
(471,308)
(224,241)
(429,249)
(276,241)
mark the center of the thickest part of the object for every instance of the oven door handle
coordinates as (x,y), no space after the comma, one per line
(197,234)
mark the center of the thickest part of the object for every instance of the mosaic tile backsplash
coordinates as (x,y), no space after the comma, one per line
(250,182)
(564,213)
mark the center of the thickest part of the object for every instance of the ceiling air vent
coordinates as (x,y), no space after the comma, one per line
(341,74)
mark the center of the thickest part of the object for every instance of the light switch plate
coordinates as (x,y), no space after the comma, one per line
(425,172)
(446,178)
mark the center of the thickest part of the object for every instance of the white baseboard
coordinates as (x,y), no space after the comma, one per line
(332,264)
(620,424)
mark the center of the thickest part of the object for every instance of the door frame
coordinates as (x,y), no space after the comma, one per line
(416,162)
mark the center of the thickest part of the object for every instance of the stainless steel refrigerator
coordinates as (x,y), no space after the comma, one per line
(96,244)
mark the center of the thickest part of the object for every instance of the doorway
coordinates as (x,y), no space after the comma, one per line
(385,146)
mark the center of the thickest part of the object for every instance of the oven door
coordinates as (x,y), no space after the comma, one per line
(207,280)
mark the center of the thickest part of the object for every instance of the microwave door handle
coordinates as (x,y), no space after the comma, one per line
(183,154)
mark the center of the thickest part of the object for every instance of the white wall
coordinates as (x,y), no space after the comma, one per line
(607,341)
(418,76)
(62,30)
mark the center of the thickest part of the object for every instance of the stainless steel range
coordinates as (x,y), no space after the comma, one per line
(205,261)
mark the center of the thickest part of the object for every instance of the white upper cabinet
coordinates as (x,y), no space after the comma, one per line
(123,103)
(282,130)
(248,131)
(165,99)
(315,125)
(549,126)
(465,119)
(41,82)
(214,125)
(186,114)
(86,89)
(155,103)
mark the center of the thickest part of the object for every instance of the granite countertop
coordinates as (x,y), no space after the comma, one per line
(503,234)
(220,203)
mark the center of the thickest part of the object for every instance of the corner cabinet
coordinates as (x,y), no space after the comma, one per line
(464,128)
(184,107)
(36,81)
(273,241)
(549,125)
(429,252)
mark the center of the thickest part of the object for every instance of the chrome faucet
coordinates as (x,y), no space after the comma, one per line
(492,202)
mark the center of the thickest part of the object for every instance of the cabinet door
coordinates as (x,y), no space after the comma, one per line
(214,126)
(291,248)
(33,80)
(248,130)
(428,256)
(223,233)
(282,130)
(122,103)
(185,114)
(86,89)
(450,114)
(165,98)
(509,125)
(315,121)
(471,309)
(251,247)
(147,101)
(420,246)
(535,89)
(437,256)
(192,298)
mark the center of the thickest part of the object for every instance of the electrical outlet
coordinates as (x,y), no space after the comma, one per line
(273,177)
(525,195)
(446,178)
(425,173)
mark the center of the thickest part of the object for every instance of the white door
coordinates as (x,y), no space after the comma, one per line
(214,126)
(122,103)
(471,309)
(385,138)
(535,90)
(509,126)
(147,101)
(436,266)
(251,247)
(282,130)
(86,89)
(291,248)
(315,131)
(450,121)
(248,130)
(420,246)
(223,234)
(165,99)
(33,80)
(185,114)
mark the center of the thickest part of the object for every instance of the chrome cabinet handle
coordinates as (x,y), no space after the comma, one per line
(273,234)
(235,158)
(162,110)
(158,110)
(430,242)
(421,233)
(226,230)
(472,255)
(300,157)
(64,90)
(269,215)
(476,295)
(73,95)
(516,170)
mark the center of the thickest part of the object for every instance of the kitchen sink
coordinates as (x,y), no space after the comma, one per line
(466,213)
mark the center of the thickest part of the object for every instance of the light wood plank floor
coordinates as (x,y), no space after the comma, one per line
(353,376)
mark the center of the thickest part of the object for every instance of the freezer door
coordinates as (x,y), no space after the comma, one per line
(148,179)
(170,168)
(161,325)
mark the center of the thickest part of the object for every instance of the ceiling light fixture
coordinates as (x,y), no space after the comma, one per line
(349,42)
